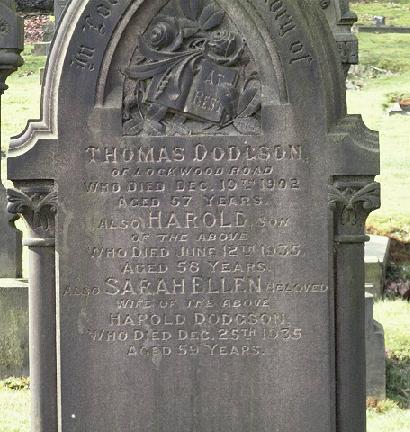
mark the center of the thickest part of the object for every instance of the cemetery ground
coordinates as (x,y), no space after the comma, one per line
(397,12)
(383,76)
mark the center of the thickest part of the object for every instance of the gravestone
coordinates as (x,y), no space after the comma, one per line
(197,197)
(376,258)
(375,354)
(11,44)
(59,8)
(341,19)
(14,348)
(34,5)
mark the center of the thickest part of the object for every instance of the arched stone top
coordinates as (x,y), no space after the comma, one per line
(292,46)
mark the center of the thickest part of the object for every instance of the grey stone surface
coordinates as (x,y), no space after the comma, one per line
(35,5)
(341,19)
(59,8)
(14,358)
(208,193)
(375,354)
(376,259)
(384,29)
(41,48)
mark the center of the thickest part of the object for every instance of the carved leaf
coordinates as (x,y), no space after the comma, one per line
(369,196)
(211,17)
(162,85)
(189,28)
(184,76)
(154,128)
(336,196)
(50,201)
(17,200)
(133,127)
(191,8)
(156,112)
(249,101)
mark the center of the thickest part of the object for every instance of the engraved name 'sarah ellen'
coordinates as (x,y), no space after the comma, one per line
(191,74)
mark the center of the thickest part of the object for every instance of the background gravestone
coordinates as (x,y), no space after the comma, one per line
(34,5)
(59,8)
(375,354)
(341,19)
(13,294)
(206,193)
(11,44)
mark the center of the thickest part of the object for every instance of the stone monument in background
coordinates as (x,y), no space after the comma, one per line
(59,8)
(11,45)
(197,195)
(341,19)
(13,293)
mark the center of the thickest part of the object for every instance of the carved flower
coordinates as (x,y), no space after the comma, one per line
(164,33)
(225,47)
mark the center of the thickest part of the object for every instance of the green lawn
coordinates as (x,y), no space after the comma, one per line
(21,101)
(397,12)
(391,52)
(14,410)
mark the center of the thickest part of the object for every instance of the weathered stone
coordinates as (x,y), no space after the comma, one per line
(49,31)
(341,19)
(41,48)
(375,354)
(376,259)
(208,194)
(35,5)
(59,8)
(14,359)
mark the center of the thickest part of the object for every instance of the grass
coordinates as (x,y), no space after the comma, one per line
(395,317)
(394,216)
(393,415)
(14,410)
(397,12)
(21,101)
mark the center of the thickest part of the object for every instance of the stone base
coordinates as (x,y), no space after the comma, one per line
(376,258)
(41,48)
(375,355)
(14,348)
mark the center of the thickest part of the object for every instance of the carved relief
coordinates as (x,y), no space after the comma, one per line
(4,27)
(324,4)
(38,208)
(350,197)
(191,74)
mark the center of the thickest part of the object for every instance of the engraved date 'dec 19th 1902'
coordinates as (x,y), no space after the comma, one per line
(191,74)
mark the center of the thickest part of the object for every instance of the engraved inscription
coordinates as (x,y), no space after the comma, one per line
(193,251)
